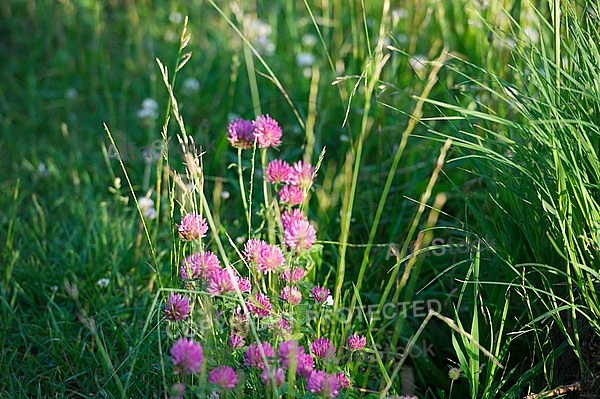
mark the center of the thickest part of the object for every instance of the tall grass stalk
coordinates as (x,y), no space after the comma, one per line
(370,75)
(412,123)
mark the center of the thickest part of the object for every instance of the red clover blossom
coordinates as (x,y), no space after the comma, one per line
(187,356)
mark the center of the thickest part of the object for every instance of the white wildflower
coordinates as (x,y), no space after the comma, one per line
(329,301)
(147,207)
(190,86)
(149,110)
(305,60)
(175,17)
(71,94)
(417,63)
(103,282)
(43,170)
(309,40)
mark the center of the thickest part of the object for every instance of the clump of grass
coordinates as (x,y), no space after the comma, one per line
(539,154)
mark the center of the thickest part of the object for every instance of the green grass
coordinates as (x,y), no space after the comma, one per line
(520,168)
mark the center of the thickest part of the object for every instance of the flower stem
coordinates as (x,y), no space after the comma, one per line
(243,190)
(269,215)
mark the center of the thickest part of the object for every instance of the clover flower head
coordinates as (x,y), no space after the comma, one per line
(306,364)
(260,306)
(199,265)
(342,380)
(224,377)
(284,326)
(356,342)
(187,356)
(219,281)
(319,294)
(236,341)
(177,307)
(322,384)
(254,357)
(298,233)
(252,249)
(192,227)
(291,195)
(278,171)
(244,284)
(288,352)
(292,276)
(323,349)
(291,295)
(277,375)
(270,258)
(302,174)
(240,133)
(267,131)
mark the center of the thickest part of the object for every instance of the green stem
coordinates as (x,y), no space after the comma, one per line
(252,80)
(243,190)
(268,213)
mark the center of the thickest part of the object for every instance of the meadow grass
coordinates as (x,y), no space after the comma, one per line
(439,123)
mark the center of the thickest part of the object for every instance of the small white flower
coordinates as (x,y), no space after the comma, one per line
(258,27)
(150,213)
(309,40)
(329,301)
(418,62)
(305,59)
(175,17)
(71,94)
(145,203)
(149,110)
(225,194)
(240,239)
(147,207)
(259,33)
(103,282)
(42,170)
(150,103)
(267,45)
(190,86)
(399,13)
(170,36)
(146,113)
